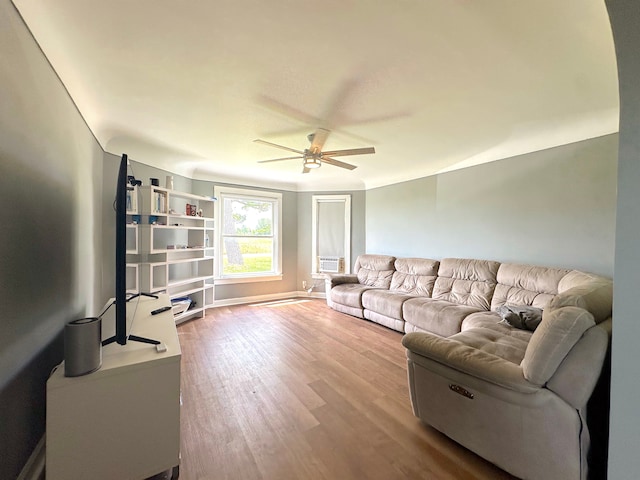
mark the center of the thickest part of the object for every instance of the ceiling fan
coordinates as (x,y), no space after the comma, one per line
(314,157)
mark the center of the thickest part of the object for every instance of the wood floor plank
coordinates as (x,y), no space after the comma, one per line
(295,390)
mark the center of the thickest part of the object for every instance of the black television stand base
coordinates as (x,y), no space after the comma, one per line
(135,338)
(142,294)
(132,338)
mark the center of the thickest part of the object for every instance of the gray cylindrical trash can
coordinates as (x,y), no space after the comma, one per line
(82,346)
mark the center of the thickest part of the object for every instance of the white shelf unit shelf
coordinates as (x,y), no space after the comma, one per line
(132,278)
(175,253)
(209,232)
(132,282)
(132,239)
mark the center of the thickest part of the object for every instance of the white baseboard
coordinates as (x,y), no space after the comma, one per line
(266,298)
(34,468)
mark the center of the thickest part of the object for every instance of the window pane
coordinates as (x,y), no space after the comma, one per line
(247,255)
(247,217)
(330,238)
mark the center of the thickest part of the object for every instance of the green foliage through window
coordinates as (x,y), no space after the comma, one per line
(247,235)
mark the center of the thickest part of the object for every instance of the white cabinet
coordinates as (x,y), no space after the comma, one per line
(175,247)
(123,420)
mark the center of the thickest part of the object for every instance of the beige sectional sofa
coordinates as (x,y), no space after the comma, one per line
(514,396)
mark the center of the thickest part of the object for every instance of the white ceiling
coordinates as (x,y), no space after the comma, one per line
(433,85)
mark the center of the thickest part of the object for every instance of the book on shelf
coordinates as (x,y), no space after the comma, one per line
(131,203)
(160,202)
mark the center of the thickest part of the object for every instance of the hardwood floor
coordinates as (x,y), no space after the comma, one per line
(295,390)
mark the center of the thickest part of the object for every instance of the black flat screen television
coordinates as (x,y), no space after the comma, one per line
(121,298)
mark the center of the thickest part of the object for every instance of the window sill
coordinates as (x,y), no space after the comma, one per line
(253,279)
(323,275)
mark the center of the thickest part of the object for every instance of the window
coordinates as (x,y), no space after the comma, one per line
(248,240)
(331,234)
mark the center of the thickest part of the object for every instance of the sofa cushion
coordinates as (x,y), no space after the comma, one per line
(481,319)
(519,316)
(447,354)
(374,270)
(385,302)
(414,276)
(349,294)
(438,316)
(466,282)
(514,339)
(556,335)
(526,285)
(497,339)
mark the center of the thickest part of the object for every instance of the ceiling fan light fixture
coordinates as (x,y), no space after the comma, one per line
(312,162)
(313,157)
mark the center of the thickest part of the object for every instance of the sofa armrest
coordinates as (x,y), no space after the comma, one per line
(469,360)
(333,279)
(577,375)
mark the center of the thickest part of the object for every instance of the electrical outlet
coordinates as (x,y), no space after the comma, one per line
(304,284)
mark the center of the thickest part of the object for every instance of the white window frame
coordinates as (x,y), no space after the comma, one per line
(315,200)
(222,192)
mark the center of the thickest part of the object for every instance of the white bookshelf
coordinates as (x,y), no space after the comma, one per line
(175,247)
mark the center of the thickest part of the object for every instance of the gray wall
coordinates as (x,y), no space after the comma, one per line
(144,173)
(624,461)
(50,167)
(305,224)
(555,207)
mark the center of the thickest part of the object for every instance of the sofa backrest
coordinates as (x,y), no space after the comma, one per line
(530,285)
(374,270)
(466,281)
(589,291)
(415,276)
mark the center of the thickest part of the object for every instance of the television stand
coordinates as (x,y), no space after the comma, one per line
(123,420)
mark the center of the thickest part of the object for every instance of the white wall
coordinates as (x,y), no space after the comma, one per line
(50,167)
(555,207)
(624,461)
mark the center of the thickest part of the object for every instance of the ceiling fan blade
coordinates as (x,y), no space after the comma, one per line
(351,151)
(319,137)
(264,142)
(279,159)
(338,163)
